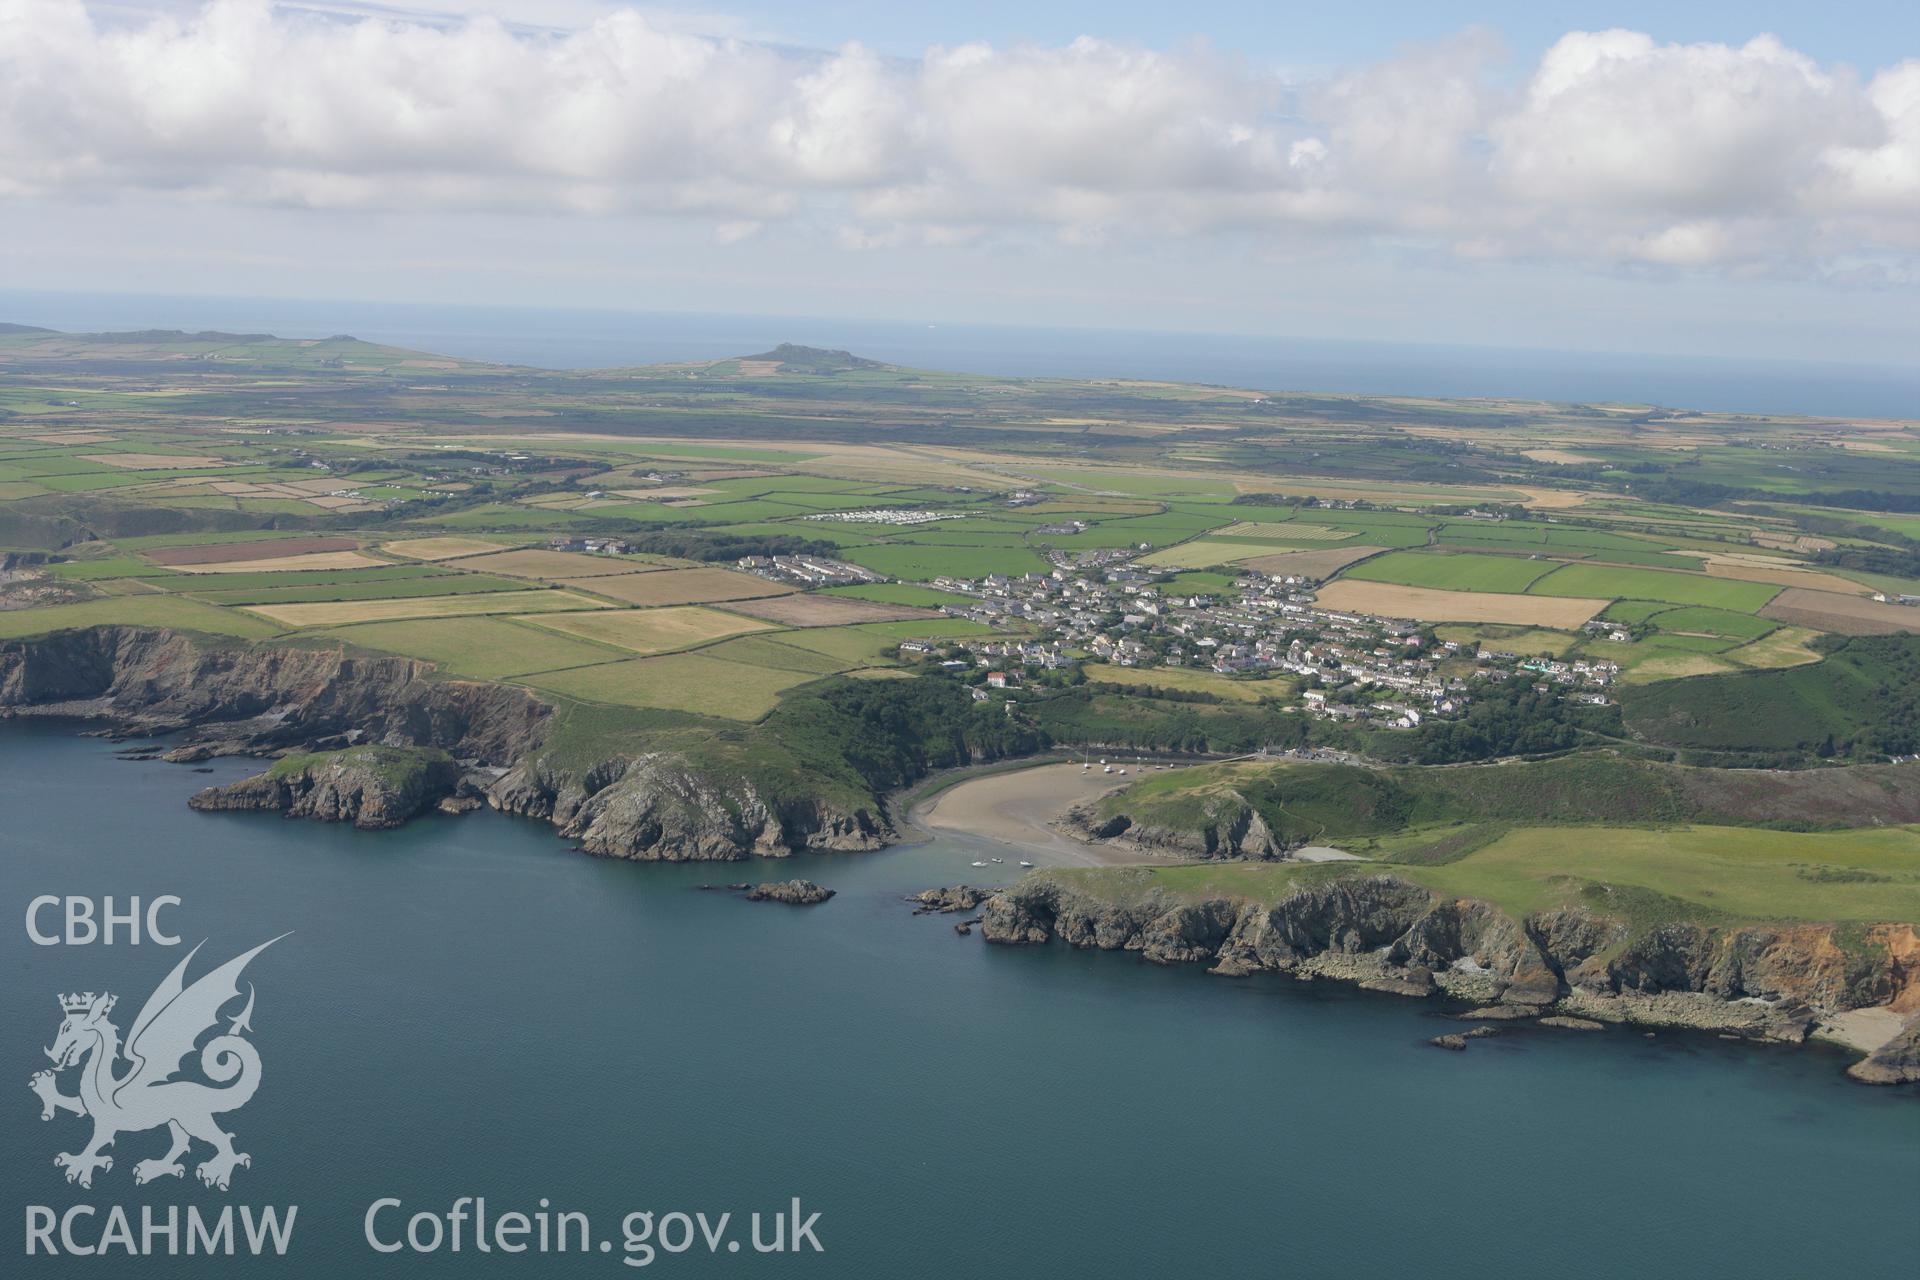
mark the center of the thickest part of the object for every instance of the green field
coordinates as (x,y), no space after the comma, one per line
(923,563)
(692,682)
(1866,875)
(1646,877)
(1604,581)
(900,593)
(136,611)
(479,648)
(1455,572)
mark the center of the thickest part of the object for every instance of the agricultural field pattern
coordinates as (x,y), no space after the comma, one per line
(718,559)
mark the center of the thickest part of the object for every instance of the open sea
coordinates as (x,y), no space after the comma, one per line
(464,1008)
(561,339)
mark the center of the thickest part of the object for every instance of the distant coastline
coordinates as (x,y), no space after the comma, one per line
(588,339)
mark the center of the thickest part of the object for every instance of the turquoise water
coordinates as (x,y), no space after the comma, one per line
(465,1008)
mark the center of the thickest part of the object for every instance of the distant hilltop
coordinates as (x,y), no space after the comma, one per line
(169,336)
(172,335)
(812,359)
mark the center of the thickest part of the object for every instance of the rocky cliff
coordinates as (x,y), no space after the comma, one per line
(374,787)
(660,806)
(241,699)
(1225,825)
(1761,981)
(226,698)
(1895,1062)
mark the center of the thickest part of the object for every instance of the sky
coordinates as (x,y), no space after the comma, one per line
(1715,179)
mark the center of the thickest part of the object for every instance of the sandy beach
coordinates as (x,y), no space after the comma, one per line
(1014,810)
(1862,1029)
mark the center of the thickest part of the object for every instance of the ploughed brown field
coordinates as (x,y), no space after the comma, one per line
(270,549)
(287,564)
(1424,604)
(1846,615)
(826,611)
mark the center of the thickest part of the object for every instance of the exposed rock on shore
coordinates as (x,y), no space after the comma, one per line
(1758,982)
(658,806)
(959,897)
(1895,1062)
(798,893)
(373,787)
(227,698)
(1228,827)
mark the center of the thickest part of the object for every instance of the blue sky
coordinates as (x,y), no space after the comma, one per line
(1334,34)
(1714,178)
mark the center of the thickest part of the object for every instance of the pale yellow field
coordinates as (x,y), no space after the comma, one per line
(1283,531)
(1756,569)
(1786,647)
(679,586)
(1424,604)
(439,548)
(333,613)
(287,564)
(156,461)
(1203,553)
(650,630)
(1676,666)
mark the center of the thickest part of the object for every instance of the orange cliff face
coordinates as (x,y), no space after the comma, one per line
(1902,942)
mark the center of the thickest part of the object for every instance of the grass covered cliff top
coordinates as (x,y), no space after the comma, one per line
(1837,844)
(1702,873)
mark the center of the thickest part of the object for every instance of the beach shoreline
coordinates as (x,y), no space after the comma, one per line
(1017,809)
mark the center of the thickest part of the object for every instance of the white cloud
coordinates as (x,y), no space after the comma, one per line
(1614,148)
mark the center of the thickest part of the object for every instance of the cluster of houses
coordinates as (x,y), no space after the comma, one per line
(899,516)
(1388,672)
(592,546)
(809,571)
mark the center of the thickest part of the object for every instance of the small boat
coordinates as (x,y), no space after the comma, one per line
(1026,864)
(979,864)
(999,859)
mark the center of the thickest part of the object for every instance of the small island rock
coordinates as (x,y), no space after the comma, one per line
(799,893)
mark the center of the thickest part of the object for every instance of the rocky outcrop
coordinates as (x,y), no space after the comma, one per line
(659,807)
(239,699)
(374,788)
(227,698)
(797,893)
(1761,982)
(1227,827)
(1895,1062)
(959,897)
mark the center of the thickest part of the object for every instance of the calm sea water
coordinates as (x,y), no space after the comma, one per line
(465,1008)
(600,339)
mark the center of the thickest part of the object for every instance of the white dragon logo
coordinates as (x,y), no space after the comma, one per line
(146,1096)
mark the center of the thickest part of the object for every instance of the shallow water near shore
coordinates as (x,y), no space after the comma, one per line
(466,1008)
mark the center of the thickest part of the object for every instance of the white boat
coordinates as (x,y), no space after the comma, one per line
(979,864)
(1026,864)
(999,859)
